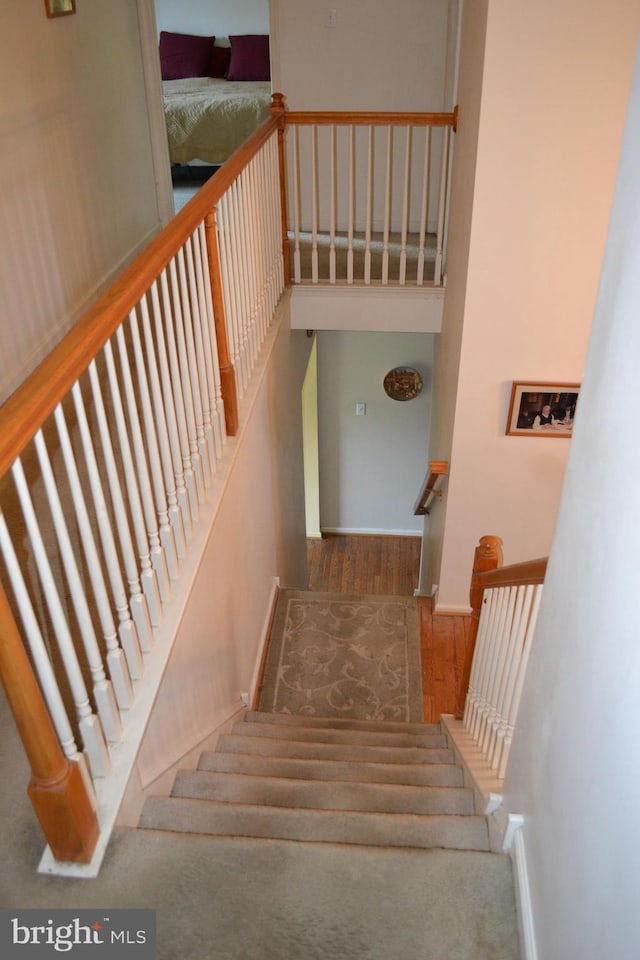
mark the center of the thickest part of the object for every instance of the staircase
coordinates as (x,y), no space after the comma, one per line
(326,780)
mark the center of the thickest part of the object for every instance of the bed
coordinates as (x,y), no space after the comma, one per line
(208,118)
(215,93)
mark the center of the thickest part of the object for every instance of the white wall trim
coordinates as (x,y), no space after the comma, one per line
(370,532)
(526,927)
(367,308)
(266,628)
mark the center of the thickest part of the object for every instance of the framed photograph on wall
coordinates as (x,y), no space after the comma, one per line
(60,8)
(542,409)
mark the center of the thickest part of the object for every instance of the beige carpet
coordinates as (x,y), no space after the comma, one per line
(344,655)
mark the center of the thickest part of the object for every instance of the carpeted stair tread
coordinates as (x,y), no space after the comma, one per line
(319,795)
(343,723)
(350,752)
(327,735)
(432,774)
(284,823)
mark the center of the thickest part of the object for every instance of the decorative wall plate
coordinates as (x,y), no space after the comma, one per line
(402,383)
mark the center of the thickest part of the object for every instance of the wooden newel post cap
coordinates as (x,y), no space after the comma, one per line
(277,104)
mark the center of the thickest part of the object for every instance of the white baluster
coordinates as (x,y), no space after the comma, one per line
(210,343)
(88,723)
(314,204)
(191,361)
(387,207)
(127,629)
(508,673)
(40,655)
(116,661)
(351,201)
(102,689)
(369,220)
(199,360)
(333,201)
(441,206)
(472,705)
(175,547)
(179,430)
(502,645)
(137,599)
(228,283)
(159,532)
(178,338)
(424,205)
(405,209)
(297,274)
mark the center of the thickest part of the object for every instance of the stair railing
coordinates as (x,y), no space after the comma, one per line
(505,602)
(108,454)
(369,191)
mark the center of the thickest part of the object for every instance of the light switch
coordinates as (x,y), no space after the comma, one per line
(361,409)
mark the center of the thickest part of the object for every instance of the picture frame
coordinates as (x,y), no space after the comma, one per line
(539,409)
(59,8)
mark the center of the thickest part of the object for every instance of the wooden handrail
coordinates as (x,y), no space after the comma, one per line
(369,118)
(57,790)
(437,468)
(516,574)
(27,409)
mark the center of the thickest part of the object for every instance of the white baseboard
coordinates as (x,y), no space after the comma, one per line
(526,928)
(370,532)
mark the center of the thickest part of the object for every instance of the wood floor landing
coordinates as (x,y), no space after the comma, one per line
(391,565)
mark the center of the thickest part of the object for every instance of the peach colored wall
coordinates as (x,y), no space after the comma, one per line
(258,536)
(77,184)
(554,92)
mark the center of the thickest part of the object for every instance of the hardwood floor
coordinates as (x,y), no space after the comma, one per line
(390,565)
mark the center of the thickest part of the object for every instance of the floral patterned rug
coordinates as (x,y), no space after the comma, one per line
(344,655)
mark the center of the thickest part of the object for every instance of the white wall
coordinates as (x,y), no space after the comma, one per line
(371,467)
(524,258)
(377,57)
(258,536)
(216,18)
(77,187)
(573,770)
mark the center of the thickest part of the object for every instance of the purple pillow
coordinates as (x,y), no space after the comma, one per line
(220,59)
(249,57)
(184,55)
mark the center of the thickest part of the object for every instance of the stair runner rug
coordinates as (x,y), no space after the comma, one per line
(344,655)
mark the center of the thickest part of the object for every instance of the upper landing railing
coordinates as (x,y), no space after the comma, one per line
(368,196)
(109,450)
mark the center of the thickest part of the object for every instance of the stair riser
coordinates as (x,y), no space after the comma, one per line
(337,723)
(326,751)
(325,735)
(429,775)
(398,830)
(376,798)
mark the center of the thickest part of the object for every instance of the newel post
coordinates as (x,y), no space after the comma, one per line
(57,791)
(227,371)
(279,113)
(487,556)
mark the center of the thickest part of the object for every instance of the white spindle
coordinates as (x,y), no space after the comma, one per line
(314,204)
(495,677)
(88,723)
(387,206)
(351,202)
(369,219)
(242,365)
(441,206)
(424,204)
(192,364)
(184,380)
(333,204)
(229,284)
(171,526)
(127,628)
(180,446)
(116,660)
(297,275)
(405,208)
(194,278)
(39,653)
(101,687)
(149,467)
(210,344)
